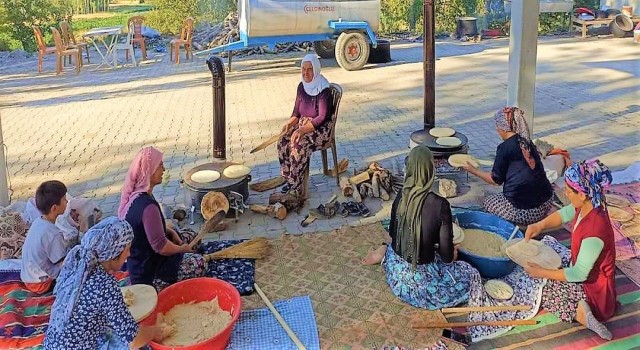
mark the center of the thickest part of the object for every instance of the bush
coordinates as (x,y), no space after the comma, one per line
(22,14)
(401,15)
(169,15)
(8,43)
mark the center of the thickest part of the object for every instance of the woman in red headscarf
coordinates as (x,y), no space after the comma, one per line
(159,255)
(526,192)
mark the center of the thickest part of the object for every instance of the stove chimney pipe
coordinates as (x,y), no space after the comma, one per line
(219,104)
(429,65)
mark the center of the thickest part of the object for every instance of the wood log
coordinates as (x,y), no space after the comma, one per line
(360,178)
(375,185)
(345,187)
(356,194)
(276,210)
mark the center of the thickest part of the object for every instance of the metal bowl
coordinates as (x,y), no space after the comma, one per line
(488,267)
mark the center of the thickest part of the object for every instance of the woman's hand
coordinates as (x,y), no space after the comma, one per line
(533,230)
(470,168)
(534,270)
(186,248)
(174,236)
(296,136)
(289,125)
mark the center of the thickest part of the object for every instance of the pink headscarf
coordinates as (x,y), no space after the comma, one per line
(138,178)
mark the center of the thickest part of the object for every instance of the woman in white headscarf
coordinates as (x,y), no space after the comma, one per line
(89,311)
(309,127)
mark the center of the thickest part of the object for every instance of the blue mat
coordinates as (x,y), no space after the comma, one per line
(259,329)
(239,272)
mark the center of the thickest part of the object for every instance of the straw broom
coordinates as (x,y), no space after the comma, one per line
(255,248)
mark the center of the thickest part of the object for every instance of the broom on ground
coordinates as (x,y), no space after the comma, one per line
(255,248)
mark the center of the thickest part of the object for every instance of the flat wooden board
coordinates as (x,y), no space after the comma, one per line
(544,255)
(145,299)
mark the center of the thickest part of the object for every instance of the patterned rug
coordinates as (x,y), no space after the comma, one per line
(24,316)
(258,329)
(239,272)
(353,304)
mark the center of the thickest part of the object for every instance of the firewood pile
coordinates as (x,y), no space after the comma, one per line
(374,182)
(213,35)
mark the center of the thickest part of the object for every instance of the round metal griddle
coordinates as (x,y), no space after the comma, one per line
(221,183)
(430,141)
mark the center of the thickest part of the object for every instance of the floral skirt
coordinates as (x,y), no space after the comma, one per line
(431,286)
(191,266)
(497,204)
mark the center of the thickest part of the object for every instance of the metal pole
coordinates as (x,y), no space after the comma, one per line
(4,189)
(429,70)
(219,123)
(429,51)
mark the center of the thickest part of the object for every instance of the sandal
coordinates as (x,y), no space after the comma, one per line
(285,188)
(364,211)
(343,210)
(308,220)
(352,208)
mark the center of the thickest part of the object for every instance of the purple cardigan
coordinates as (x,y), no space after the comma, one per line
(306,106)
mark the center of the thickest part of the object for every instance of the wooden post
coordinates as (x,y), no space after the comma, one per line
(523,49)
(4,190)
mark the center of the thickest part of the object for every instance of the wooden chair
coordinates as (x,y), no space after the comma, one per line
(127,45)
(185,40)
(42,47)
(336,93)
(62,51)
(69,40)
(137,22)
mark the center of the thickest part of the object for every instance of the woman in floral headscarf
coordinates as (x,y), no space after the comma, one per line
(526,192)
(585,289)
(309,126)
(89,311)
(159,255)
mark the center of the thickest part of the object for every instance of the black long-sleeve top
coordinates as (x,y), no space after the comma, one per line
(436,229)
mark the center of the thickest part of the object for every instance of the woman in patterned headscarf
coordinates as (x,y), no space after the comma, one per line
(159,255)
(585,289)
(421,261)
(89,311)
(526,192)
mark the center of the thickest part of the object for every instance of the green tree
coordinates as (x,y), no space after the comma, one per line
(169,14)
(22,14)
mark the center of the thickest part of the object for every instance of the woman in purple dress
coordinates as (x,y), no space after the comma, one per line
(309,127)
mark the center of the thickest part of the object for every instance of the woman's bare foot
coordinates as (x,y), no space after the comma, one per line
(374,256)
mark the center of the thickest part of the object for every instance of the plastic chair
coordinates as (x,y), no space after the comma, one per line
(185,40)
(137,22)
(127,45)
(336,93)
(42,47)
(61,52)
(69,40)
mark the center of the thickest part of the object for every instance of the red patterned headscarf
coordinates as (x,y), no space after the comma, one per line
(511,119)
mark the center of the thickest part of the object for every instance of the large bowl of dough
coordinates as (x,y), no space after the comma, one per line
(197,313)
(484,236)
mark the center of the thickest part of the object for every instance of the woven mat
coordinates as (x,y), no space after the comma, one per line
(353,304)
(258,329)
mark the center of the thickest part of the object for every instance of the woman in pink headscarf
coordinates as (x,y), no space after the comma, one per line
(159,255)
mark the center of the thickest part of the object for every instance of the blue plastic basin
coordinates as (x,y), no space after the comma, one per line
(488,267)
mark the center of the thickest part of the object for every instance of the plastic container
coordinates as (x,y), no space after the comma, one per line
(197,290)
(620,26)
(488,267)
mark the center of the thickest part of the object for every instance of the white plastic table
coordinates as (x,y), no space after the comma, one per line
(97,36)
